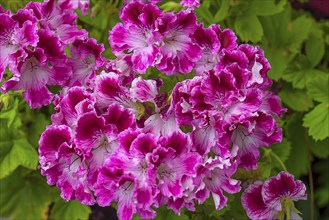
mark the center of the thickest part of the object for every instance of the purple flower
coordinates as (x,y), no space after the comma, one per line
(13,37)
(173,161)
(178,52)
(109,90)
(32,74)
(215,177)
(86,60)
(191,4)
(137,34)
(129,161)
(75,4)
(58,21)
(144,90)
(62,166)
(276,195)
(70,106)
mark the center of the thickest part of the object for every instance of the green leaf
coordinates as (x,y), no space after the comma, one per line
(34,129)
(279,59)
(322,192)
(317,121)
(11,115)
(223,11)
(20,154)
(265,8)
(314,46)
(170,6)
(296,99)
(24,197)
(282,150)
(300,78)
(72,210)
(299,31)
(318,88)
(274,26)
(204,13)
(248,27)
(320,149)
(297,162)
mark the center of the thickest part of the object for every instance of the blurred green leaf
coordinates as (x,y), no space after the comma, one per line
(223,11)
(296,99)
(282,150)
(21,153)
(11,113)
(318,88)
(300,78)
(298,32)
(314,46)
(320,148)
(205,15)
(24,196)
(297,162)
(265,8)
(317,121)
(71,210)
(248,27)
(34,129)
(322,181)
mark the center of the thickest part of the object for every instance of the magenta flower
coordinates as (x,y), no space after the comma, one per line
(58,21)
(32,74)
(191,4)
(63,166)
(178,51)
(70,106)
(13,37)
(137,34)
(268,200)
(173,161)
(75,4)
(86,60)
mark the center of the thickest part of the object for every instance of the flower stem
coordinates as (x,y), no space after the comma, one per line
(279,160)
(310,176)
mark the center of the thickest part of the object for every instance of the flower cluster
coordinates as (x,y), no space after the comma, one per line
(117,135)
(274,198)
(32,44)
(99,150)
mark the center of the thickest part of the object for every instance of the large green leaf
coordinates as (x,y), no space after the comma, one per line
(317,122)
(10,112)
(314,47)
(72,210)
(33,129)
(298,32)
(300,78)
(248,27)
(296,99)
(318,88)
(20,154)
(320,149)
(265,8)
(223,11)
(24,197)
(297,162)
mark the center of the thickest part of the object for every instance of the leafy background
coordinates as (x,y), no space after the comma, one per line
(294,36)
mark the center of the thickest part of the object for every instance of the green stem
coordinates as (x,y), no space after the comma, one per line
(279,160)
(310,176)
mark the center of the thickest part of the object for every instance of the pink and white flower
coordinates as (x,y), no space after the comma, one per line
(276,195)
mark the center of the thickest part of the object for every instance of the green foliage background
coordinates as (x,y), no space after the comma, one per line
(295,44)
